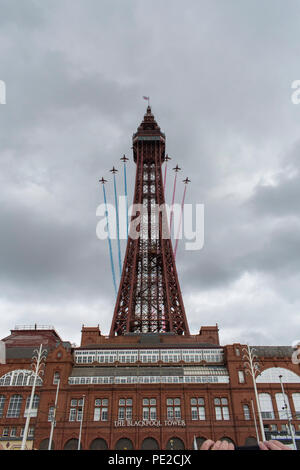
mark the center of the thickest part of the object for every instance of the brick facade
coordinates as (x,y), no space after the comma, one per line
(232,424)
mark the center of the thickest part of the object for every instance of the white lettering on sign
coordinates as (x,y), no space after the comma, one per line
(146,422)
(172,422)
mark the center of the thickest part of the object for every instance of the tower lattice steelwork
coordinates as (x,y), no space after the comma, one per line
(149,298)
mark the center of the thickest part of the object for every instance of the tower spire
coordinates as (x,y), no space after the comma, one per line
(149,298)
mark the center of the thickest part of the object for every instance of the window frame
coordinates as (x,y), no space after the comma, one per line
(14,406)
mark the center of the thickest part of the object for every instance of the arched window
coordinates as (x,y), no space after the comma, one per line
(175,444)
(19,378)
(150,444)
(98,444)
(199,442)
(266,406)
(45,444)
(14,407)
(6,380)
(272,374)
(250,441)
(124,444)
(72,444)
(227,439)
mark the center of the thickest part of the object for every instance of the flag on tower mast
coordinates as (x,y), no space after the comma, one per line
(147,98)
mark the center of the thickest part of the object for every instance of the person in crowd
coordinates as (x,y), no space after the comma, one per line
(225,445)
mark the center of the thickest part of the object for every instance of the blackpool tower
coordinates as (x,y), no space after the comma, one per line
(149,299)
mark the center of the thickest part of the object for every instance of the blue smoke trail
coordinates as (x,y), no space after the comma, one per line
(109,242)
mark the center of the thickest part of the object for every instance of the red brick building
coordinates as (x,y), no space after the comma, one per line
(144,391)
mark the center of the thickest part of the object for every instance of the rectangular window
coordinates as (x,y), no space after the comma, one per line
(218,411)
(97,414)
(76,410)
(104,414)
(225,411)
(101,409)
(79,414)
(198,409)
(51,413)
(14,406)
(35,405)
(146,413)
(221,409)
(56,378)
(121,414)
(283,405)
(194,412)
(296,401)
(72,416)
(2,403)
(173,408)
(149,408)
(246,412)
(241,377)
(201,413)
(5,432)
(153,412)
(125,408)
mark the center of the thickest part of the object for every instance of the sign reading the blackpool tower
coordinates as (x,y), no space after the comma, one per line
(145,422)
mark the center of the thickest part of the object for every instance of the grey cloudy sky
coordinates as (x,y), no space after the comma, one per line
(219,74)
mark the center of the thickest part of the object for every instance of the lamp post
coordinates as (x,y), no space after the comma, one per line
(288,414)
(256,430)
(81,419)
(37,365)
(252,368)
(53,418)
